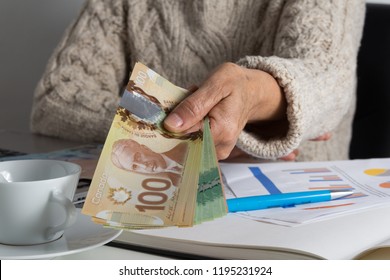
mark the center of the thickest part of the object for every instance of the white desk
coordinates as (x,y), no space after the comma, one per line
(111,253)
(30,143)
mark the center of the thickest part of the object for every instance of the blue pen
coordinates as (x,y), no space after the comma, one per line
(283,200)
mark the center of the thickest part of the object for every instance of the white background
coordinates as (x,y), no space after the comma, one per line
(29,31)
(280,270)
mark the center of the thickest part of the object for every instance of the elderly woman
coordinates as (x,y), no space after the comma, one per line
(270,74)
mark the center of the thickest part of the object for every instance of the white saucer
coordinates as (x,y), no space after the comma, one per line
(83,235)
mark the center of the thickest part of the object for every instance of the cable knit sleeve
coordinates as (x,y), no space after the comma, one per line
(77,96)
(314,61)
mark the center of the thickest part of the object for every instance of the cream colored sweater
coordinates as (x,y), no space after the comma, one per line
(310,47)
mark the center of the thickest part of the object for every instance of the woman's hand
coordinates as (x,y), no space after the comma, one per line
(232,96)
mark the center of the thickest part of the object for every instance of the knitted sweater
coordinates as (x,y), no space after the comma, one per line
(310,48)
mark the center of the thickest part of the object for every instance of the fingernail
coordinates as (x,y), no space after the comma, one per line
(173,120)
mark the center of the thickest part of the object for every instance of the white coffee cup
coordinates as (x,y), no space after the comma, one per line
(36,200)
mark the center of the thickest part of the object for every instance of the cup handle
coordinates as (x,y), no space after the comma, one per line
(71,213)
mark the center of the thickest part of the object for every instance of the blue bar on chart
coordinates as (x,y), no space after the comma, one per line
(264,180)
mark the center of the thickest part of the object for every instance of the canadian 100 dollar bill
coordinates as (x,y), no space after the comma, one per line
(147,176)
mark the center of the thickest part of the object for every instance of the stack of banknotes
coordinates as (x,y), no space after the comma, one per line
(148,177)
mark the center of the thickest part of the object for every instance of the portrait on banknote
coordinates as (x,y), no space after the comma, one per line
(129,155)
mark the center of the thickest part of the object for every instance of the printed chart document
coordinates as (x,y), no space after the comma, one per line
(340,229)
(369,180)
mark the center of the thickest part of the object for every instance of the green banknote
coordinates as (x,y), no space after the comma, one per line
(148,177)
(210,197)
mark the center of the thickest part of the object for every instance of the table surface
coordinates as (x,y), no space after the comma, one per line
(31,143)
(111,253)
